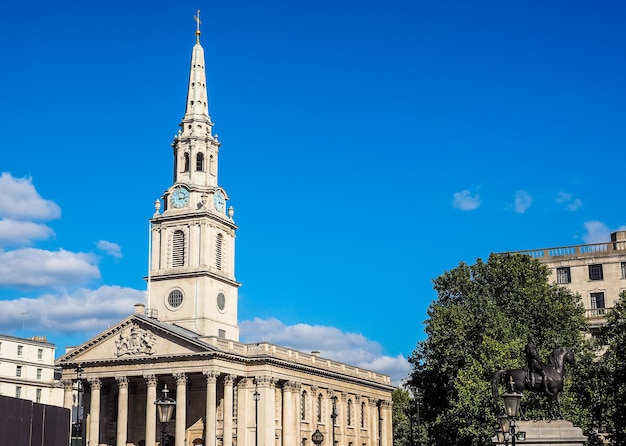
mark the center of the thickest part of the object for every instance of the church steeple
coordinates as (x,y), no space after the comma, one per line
(192,267)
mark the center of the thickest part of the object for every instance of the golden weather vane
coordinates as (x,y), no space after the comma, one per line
(198,23)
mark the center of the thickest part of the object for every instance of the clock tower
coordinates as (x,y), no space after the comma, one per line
(191,282)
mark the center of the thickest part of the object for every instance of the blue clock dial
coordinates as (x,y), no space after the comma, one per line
(180,197)
(219,201)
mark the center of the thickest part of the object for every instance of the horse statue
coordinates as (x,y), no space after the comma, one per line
(553,370)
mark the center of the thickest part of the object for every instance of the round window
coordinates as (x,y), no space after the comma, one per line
(221,301)
(175,299)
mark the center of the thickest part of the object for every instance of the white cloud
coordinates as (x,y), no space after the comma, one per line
(572,204)
(13,232)
(20,201)
(30,267)
(332,343)
(82,311)
(112,249)
(465,201)
(523,200)
(598,232)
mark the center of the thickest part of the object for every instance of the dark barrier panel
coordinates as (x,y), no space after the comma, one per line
(24,423)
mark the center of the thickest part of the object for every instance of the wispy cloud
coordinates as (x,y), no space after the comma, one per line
(112,249)
(465,201)
(332,343)
(30,267)
(571,203)
(523,200)
(83,311)
(598,232)
(20,201)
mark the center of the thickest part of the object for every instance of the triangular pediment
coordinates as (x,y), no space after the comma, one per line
(135,338)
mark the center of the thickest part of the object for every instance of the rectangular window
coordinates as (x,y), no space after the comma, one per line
(20,350)
(38,397)
(623,270)
(597,304)
(38,373)
(595,272)
(563,275)
(40,353)
(18,392)
(221,334)
(18,371)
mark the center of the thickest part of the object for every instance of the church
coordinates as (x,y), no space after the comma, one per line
(185,338)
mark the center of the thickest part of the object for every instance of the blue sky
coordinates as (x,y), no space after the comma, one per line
(367,147)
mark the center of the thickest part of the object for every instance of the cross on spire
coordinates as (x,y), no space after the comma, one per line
(198,23)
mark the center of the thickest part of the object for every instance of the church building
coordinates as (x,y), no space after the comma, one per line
(186,337)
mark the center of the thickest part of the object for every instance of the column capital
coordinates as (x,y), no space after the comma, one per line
(122,382)
(265,381)
(211,376)
(181,379)
(68,384)
(151,380)
(385,404)
(373,402)
(229,379)
(95,383)
(291,386)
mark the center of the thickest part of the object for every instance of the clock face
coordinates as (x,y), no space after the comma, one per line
(220,201)
(180,197)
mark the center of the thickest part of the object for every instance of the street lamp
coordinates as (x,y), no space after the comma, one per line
(512,400)
(334,416)
(256,396)
(77,431)
(317,437)
(165,408)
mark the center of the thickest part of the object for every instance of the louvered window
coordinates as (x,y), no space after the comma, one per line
(319,408)
(303,406)
(218,251)
(200,162)
(178,248)
(186,163)
(349,414)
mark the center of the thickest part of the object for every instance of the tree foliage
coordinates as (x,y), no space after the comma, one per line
(478,325)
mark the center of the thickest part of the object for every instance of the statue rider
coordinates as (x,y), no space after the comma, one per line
(534,364)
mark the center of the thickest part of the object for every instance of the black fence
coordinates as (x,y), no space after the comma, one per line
(24,423)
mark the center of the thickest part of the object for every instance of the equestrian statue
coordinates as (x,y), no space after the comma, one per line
(538,377)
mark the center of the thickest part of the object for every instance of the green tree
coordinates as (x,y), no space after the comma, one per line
(613,364)
(400,417)
(478,325)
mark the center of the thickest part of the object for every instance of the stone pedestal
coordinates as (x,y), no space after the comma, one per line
(550,433)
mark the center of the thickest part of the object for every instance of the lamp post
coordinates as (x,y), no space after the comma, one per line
(512,400)
(256,396)
(165,408)
(77,431)
(334,415)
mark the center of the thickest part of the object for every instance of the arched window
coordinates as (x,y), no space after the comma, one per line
(363,414)
(303,406)
(349,414)
(178,248)
(218,251)
(200,162)
(186,162)
(319,408)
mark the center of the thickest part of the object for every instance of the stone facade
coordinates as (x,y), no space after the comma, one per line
(595,271)
(187,337)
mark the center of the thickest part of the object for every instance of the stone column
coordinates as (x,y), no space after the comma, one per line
(288,419)
(356,421)
(385,423)
(210,420)
(228,410)
(94,412)
(68,390)
(373,422)
(151,383)
(122,410)
(181,408)
(267,403)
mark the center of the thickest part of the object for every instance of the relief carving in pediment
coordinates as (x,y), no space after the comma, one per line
(136,341)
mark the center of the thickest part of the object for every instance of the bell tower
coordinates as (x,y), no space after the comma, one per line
(191,282)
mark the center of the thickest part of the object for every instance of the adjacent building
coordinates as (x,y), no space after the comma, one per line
(596,271)
(186,336)
(27,370)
